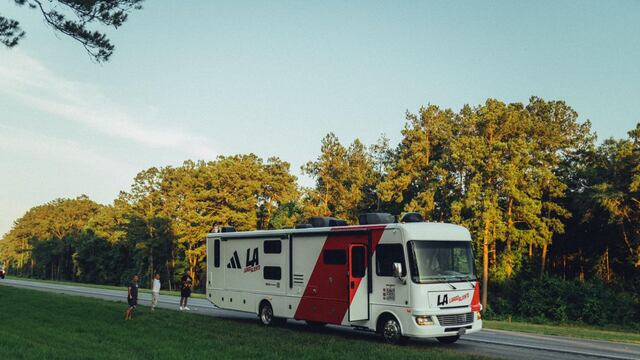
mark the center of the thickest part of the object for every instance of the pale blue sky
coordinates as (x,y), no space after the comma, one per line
(196,79)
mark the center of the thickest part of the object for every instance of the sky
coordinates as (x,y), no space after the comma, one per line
(198,79)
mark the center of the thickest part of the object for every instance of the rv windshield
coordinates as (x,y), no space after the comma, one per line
(441,261)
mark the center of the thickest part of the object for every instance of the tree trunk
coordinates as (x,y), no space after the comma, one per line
(607,265)
(494,256)
(169,276)
(509,224)
(564,267)
(485,264)
(625,237)
(151,269)
(544,259)
(494,249)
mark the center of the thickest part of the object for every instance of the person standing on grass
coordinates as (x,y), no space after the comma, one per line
(155,291)
(185,290)
(132,297)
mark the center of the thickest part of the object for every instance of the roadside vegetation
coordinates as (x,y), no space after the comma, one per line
(551,301)
(622,332)
(565,329)
(554,214)
(40,325)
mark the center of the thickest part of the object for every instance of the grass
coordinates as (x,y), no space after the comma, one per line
(41,325)
(109,287)
(571,330)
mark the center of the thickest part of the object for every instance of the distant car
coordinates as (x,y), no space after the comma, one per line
(1,272)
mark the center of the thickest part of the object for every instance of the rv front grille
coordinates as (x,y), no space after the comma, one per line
(455,320)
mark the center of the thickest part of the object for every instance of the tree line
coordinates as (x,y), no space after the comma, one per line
(539,194)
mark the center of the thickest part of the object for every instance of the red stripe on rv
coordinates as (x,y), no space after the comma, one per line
(326,298)
(475,301)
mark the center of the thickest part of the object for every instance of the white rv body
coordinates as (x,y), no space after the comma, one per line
(345,275)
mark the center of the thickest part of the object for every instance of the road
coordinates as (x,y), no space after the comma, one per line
(492,343)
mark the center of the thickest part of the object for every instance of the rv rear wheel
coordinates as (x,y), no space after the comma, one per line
(391,331)
(448,339)
(265,314)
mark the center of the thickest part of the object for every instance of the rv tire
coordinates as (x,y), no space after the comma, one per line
(389,328)
(265,314)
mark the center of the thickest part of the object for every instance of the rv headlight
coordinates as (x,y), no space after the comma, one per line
(424,320)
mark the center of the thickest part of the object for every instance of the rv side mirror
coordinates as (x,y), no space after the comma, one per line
(397,270)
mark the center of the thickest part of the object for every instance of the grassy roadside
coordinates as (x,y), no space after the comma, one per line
(109,287)
(41,325)
(570,330)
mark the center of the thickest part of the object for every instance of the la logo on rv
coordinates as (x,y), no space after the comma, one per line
(250,265)
(445,299)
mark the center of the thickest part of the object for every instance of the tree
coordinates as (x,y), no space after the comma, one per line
(278,187)
(170,210)
(618,189)
(345,180)
(72,18)
(41,242)
(492,168)
(417,180)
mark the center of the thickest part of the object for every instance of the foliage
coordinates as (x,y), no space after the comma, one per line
(577,330)
(160,225)
(345,180)
(71,18)
(553,299)
(539,195)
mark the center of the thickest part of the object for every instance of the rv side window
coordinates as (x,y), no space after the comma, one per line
(358,261)
(334,257)
(386,255)
(216,253)
(273,247)
(272,273)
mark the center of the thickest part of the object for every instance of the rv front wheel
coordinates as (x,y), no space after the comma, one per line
(391,331)
(448,339)
(266,314)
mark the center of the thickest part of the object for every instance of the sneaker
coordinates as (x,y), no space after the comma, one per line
(181,308)
(186,308)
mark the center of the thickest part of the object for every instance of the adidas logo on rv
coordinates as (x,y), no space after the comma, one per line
(234,262)
(251,265)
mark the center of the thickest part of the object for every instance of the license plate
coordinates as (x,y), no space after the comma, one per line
(462,331)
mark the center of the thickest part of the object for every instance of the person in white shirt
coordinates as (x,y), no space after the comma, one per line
(155,292)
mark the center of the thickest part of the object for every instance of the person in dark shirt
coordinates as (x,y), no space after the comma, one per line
(185,290)
(132,297)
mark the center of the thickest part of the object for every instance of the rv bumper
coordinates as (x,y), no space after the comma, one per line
(431,326)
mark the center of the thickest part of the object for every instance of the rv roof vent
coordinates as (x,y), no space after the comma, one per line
(226,229)
(376,218)
(337,222)
(412,217)
(326,221)
(303,226)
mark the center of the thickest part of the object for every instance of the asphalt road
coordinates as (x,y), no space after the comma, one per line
(492,343)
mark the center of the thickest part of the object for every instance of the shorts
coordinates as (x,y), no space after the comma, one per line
(185,293)
(132,302)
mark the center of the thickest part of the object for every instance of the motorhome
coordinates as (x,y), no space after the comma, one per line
(399,279)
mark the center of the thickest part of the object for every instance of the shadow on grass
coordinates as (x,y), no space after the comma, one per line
(342,332)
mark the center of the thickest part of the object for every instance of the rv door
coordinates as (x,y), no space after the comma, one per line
(358,292)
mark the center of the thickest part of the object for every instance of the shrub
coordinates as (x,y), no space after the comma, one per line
(551,299)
